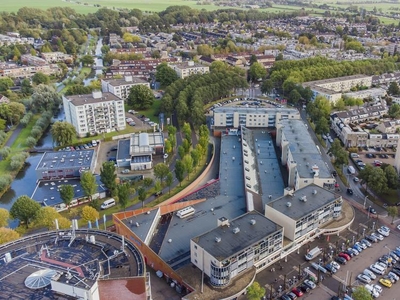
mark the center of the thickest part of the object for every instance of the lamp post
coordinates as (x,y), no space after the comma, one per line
(363,232)
(369,208)
(365,200)
(373,226)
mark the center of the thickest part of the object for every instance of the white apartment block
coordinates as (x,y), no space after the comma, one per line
(15,71)
(235,246)
(54,57)
(186,69)
(301,156)
(94,113)
(121,87)
(235,117)
(333,88)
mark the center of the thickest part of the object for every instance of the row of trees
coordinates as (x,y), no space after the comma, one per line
(188,96)
(379,179)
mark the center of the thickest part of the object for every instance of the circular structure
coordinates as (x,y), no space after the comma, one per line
(39,279)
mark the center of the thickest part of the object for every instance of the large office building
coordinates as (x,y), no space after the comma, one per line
(251,117)
(333,88)
(186,69)
(121,87)
(94,113)
(301,156)
(234,246)
(304,212)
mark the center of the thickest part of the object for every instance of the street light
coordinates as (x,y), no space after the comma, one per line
(369,208)
(373,226)
(365,200)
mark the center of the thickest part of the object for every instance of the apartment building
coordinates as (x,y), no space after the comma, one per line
(13,70)
(186,69)
(121,87)
(301,156)
(32,60)
(94,113)
(304,212)
(235,117)
(235,246)
(55,57)
(333,88)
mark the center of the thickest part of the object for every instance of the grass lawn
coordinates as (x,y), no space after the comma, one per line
(13,6)
(19,143)
(152,112)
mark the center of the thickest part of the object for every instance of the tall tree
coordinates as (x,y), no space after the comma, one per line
(24,209)
(108,176)
(195,154)
(391,176)
(90,214)
(46,217)
(338,151)
(165,75)
(89,184)
(123,195)
(394,88)
(142,193)
(361,293)
(87,60)
(40,78)
(393,212)
(45,98)
(394,111)
(188,163)
(161,170)
(147,182)
(257,71)
(140,97)
(8,235)
(67,193)
(179,171)
(377,180)
(255,291)
(4,217)
(63,133)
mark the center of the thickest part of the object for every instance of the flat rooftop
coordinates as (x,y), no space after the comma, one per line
(250,228)
(125,81)
(78,100)
(123,149)
(145,142)
(64,159)
(142,223)
(336,79)
(229,204)
(48,193)
(255,110)
(303,149)
(79,262)
(316,197)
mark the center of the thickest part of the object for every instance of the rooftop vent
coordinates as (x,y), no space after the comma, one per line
(217,239)
(314,192)
(253,222)
(288,204)
(303,198)
(137,224)
(236,230)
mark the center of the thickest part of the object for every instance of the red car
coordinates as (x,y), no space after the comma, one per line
(297,292)
(345,256)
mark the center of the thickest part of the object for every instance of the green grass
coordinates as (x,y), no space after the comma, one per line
(152,112)
(19,143)
(13,6)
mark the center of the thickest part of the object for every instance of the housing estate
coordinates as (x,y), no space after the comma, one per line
(94,113)
(121,87)
(185,69)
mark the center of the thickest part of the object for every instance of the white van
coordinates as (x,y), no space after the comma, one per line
(313,253)
(108,203)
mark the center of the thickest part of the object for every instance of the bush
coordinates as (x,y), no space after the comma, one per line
(36,132)
(30,142)
(353,150)
(26,119)
(4,152)
(3,136)
(42,123)
(5,181)
(18,160)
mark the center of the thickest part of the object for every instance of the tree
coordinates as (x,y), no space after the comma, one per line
(87,60)
(24,209)
(257,71)
(181,151)
(377,180)
(4,217)
(147,182)
(267,86)
(108,176)
(63,133)
(168,146)
(321,126)
(130,38)
(142,193)
(140,97)
(294,96)
(340,154)
(161,171)
(165,75)
(90,214)
(394,111)
(67,193)
(5,84)
(188,163)
(47,216)
(157,186)
(391,176)
(255,291)
(169,180)
(89,184)
(40,78)
(195,154)
(26,87)
(123,192)
(179,171)
(394,88)
(393,211)
(8,235)
(45,98)
(361,293)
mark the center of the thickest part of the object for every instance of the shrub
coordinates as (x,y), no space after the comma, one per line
(4,152)
(5,181)
(36,132)
(30,142)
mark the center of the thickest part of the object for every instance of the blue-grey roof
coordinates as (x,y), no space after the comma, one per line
(315,197)
(230,204)
(66,159)
(47,192)
(303,149)
(123,150)
(241,233)
(141,224)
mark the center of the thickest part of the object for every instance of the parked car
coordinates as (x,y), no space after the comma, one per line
(297,291)
(378,288)
(341,260)
(345,255)
(393,275)
(371,238)
(285,297)
(378,236)
(394,256)
(304,288)
(350,191)
(369,273)
(383,232)
(365,242)
(358,247)
(310,284)
(354,251)
(385,228)
(376,270)
(125,171)
(355,179)
(371,210)
(335,265)
(158,193)
(364,278)
(390,278)
(361,245)
(330,268)
(292,296)
(349,253)
(396,271)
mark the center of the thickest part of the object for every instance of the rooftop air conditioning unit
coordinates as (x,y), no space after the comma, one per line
(288,204)
(217,239)
(236,230)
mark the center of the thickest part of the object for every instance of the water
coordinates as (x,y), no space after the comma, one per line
(98,62)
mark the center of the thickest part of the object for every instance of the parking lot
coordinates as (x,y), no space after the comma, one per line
(274,276)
